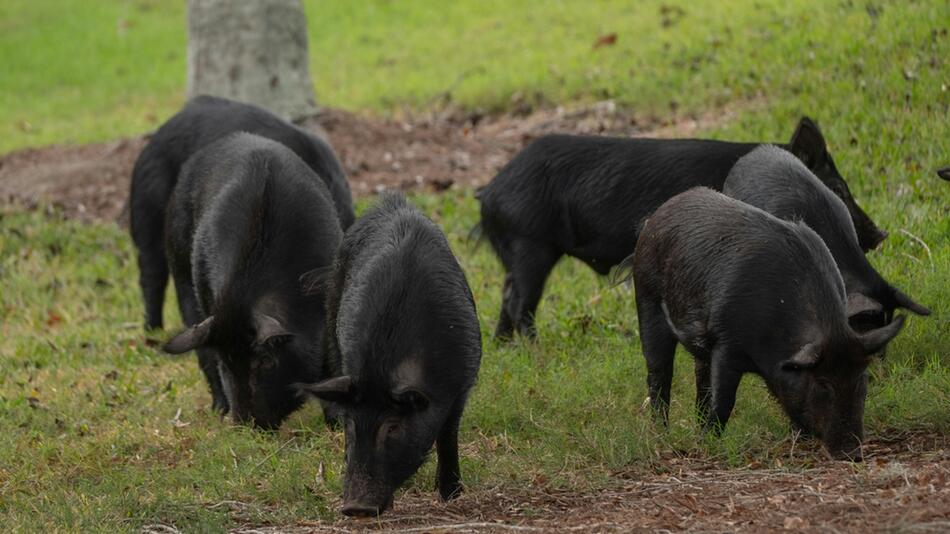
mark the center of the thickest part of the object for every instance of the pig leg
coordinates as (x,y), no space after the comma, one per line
(147,200)
(505,327)
(448,473)
(703,388)
(332,416)
(725,383)
(208,361)
(153,268)
(528,264)
(659,349)
(207,357)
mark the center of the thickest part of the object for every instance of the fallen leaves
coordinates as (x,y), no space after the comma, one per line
(795,523)
(53,319)
(177,422)
(33,399)
(609,39)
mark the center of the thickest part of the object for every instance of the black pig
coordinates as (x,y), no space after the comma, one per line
(746,292)
(401,319)
(202,121)
(772,179)
(587,197)
(944,173)
(250,227)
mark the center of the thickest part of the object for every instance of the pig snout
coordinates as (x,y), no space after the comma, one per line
(241,417)
(244,414)
(365,508)
(878,237)
(845,455)
(845,448)
(870,236)
(265,424)
(362,497)
(360,510)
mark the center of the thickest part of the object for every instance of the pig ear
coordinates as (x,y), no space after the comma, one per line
(411,399)
(268,330)
(192,338)
(875,340)
(805,358)
(337,389)
(904,301)
(807,143)
(314,281)
(859,303)
(944,173)
(863,311)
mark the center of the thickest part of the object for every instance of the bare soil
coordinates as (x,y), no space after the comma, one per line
(903,486)
(431,152)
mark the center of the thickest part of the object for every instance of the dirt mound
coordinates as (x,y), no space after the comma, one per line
(86,181)
(434,151)
(904,485)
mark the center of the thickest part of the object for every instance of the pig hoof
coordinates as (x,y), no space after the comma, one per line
(356,510)
(220,407)
(503,334)
(450,491)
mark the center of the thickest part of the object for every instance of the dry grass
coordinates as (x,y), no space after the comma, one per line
(904,485)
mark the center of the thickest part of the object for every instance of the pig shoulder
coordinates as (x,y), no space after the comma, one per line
(247,189)
(716,260)
(402,285)
(774,180)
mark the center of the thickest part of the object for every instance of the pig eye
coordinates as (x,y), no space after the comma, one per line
(265,362)
(392,429)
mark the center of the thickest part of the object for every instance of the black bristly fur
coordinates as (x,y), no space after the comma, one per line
(772,179)
(202,121)
(246,220)
(746,292)
(402,327)
(587,197)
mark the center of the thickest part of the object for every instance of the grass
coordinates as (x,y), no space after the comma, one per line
(78,71)
(104,433)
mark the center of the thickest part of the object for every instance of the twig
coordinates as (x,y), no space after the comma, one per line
(271,455)
(159,528)
(921,241)
(230,504)
(501,526)
(908,256)
(934,526)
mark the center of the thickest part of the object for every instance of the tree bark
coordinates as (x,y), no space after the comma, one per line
(253,51)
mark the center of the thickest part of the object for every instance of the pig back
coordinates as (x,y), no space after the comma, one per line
(400,293)
(729,266)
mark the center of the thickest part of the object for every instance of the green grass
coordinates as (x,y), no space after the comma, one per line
(91,438)
(90,409)
(79,71)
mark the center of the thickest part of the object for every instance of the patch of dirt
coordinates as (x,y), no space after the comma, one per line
(903,485)
(431,152)
(87,181)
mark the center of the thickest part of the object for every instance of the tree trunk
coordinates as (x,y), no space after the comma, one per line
(253,51)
